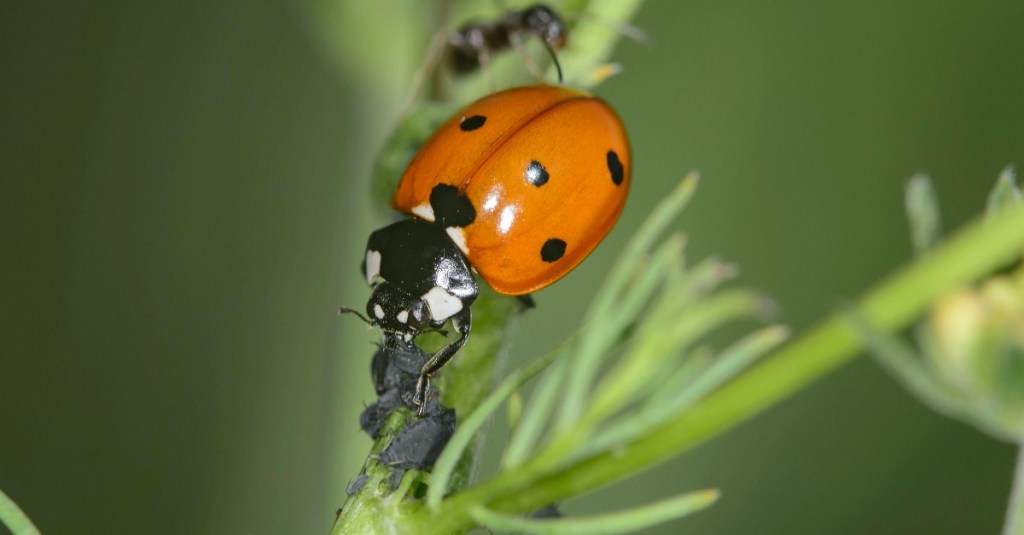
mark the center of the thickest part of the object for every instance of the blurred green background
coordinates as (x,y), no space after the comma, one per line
(183,206)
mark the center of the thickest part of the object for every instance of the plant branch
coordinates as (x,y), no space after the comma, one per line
(14,518)
(891,306)
(1015,511)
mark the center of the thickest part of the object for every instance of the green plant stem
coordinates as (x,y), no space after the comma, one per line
(14,518)
(891,306)
(617,522)
(593,37)
(1015,510)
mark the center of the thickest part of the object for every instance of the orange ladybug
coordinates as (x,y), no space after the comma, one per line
(519,187)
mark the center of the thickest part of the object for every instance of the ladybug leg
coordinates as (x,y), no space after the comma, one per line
(442,332)
(426,70)
(461,322)
(527,300)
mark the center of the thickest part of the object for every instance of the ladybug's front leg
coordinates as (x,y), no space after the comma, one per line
(461,322)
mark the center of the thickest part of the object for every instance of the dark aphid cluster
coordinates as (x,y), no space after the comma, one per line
(395,370)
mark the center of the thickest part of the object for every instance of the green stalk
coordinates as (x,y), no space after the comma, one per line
(627,521)
(891,306)
(1015,510)
(14,518)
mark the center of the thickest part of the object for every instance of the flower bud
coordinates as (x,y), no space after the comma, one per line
(978,335)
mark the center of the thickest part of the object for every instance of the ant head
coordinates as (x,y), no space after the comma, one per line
(544,22)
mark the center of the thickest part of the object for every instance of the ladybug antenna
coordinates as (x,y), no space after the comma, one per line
(347,310)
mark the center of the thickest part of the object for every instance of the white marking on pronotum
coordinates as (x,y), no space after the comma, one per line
(442,304)
(378,311)
(425,211)
(458,237)
(403,316)
(372,266)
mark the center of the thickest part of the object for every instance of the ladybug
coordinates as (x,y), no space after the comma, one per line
(518,187)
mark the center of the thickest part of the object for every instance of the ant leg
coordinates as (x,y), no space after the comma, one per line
(427,68)
(461,322)
(516,41)
(484,58)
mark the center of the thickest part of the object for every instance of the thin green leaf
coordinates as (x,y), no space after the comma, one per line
(687,388)
(632,424)
(730,362)
(612,291)
(1014,523)
(408,478)
(660,317)
(694,362)
(628,521)
(640,291)
(449,458)
(514,410)
(923,213)
(605,329)
(538,413)
(655,343)
(1006,193)
(900,360)
(14,518)
(663,215)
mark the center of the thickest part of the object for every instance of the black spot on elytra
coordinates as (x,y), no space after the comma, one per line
(451,207)
(468,124)
(552,250)
(615,167)
(536,174)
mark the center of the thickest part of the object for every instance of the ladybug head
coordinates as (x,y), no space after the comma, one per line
(397,312)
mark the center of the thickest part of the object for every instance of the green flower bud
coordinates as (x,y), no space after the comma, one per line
(978,336)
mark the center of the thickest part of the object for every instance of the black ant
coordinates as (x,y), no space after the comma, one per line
(470,46)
